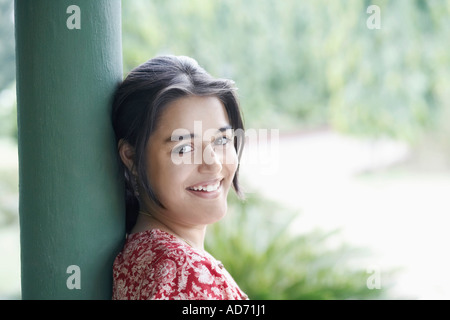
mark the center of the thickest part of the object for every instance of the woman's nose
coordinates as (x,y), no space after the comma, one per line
(211,161)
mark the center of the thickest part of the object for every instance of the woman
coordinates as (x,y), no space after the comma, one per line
(175,126)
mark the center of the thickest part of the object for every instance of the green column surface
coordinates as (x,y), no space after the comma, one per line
(69,61)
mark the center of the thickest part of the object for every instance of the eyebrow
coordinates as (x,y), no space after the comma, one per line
(178,138)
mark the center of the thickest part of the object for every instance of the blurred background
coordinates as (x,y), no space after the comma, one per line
(355,204)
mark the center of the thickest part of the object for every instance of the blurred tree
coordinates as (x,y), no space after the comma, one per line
(307,63)
(7,47)
(8,120)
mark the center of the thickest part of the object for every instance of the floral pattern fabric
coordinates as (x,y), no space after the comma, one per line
(156,265)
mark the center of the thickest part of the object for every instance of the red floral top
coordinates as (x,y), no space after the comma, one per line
(156,265)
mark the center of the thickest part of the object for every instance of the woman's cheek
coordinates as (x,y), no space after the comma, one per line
(231,160)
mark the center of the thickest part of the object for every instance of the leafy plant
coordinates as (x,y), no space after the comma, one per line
(268,261)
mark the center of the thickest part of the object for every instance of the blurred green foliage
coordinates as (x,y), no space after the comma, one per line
(8,120)
(8,198)
(298,64)
(301,64)
(7,46)
(268,261)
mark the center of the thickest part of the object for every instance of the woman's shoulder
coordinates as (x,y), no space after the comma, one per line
(157,263)
(151,247)
(153,243)
(145,250)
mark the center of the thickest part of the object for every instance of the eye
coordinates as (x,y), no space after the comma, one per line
(183,149)
(222,141)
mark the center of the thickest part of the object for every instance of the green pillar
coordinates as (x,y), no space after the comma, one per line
(69,61)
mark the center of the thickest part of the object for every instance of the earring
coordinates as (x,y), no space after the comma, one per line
(136,187)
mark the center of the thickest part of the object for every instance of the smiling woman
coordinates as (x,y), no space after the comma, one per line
(174,128)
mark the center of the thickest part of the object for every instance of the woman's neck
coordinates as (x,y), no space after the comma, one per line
(194,236)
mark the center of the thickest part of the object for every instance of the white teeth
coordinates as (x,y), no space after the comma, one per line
(208,188)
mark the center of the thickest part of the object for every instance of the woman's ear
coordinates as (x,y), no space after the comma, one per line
(127,155)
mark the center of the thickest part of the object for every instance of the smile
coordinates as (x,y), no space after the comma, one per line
(209,188)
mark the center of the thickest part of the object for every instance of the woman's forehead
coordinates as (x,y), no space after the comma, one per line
(194,113)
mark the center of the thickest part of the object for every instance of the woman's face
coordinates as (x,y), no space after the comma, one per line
(191,160)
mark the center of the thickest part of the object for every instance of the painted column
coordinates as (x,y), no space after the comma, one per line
(69,61)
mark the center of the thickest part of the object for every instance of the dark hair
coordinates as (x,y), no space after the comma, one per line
(140,100)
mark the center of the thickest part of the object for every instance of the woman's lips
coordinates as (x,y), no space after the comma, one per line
(208,185)
(207,189)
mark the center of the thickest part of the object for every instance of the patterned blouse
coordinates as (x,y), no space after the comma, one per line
(157,265)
